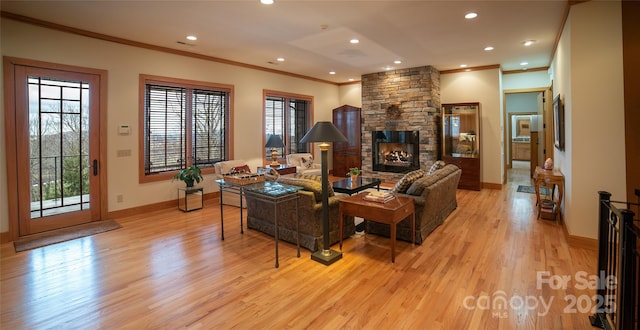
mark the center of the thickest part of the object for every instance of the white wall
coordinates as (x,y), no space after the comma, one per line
(351,94)
(588,75)
(481,86)
(522,102)
(124,65)
(525,80)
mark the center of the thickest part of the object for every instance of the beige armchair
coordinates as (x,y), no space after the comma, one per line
(304,163)
(222,168)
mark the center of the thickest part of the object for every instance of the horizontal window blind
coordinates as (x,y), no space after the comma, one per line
(165,144)
(170,111)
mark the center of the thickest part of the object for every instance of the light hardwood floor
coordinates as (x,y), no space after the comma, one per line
(169,269)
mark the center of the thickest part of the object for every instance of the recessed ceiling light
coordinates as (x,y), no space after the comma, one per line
(280,59)
(351,79)
(397,62)
(463,65)
(192,38)
(528,43)
(524,63)
(266,2)
(388,68)
(332,72)
(471,15)
(354,41)
(488,48)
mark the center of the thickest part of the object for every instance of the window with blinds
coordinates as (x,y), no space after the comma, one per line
(290,118)
(184,125)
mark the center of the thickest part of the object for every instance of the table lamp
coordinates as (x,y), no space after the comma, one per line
(274,142)
(325,132)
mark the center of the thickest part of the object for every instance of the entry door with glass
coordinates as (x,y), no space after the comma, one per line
(57,154)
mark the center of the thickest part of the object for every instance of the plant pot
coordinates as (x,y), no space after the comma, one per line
(354,178)
(189,183)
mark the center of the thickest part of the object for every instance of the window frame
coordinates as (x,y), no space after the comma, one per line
(145,80)
(287,138)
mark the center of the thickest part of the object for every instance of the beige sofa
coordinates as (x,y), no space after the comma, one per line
(260,215)
(435,198)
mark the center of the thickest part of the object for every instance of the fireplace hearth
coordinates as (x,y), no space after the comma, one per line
(396,151)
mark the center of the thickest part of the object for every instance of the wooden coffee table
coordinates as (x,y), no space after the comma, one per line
(390,213)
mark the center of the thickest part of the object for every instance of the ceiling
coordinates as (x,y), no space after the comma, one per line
(313,35)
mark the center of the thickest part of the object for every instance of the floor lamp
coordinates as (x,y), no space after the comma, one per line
(325,133)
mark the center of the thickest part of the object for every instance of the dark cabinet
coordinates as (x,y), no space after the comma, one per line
(461,141)
(347,154)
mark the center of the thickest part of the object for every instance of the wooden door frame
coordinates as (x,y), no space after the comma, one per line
(9,64)
(505,119)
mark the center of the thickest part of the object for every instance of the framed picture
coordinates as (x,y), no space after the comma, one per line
(558,123)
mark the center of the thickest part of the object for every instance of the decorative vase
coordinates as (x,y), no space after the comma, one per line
(354,178)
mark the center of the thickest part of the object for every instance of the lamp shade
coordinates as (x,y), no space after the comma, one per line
(274,141)
(323,131)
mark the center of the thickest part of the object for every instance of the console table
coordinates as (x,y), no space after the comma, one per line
(276,193)
(234,189)
(551,178)
(272,192)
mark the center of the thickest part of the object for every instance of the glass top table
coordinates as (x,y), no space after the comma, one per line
(346,186)
(272,192)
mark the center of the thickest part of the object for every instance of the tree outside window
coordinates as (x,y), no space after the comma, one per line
(185,123)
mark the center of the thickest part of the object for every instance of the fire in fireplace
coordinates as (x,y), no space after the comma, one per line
(396,151)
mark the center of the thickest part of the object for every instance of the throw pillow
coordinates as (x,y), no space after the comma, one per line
(406,181)
(241,169)
(417,187)
(436,166)
(306,162)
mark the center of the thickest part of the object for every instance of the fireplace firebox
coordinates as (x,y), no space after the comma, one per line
(395,151)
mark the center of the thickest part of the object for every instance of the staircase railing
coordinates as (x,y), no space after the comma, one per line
(618,261)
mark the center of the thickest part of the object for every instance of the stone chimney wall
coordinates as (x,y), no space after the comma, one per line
(401,100)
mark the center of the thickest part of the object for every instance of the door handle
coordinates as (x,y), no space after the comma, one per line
(95,167)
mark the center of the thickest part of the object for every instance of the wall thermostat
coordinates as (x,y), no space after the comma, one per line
(124,130)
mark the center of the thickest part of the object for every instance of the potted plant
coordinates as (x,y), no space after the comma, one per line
(354,172)
(190,175)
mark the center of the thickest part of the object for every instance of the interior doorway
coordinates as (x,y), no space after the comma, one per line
(524,128)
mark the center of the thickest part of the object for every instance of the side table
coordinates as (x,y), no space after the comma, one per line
(390,213)
(190,199)
(550,178)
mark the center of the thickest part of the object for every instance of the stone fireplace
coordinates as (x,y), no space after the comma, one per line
(395,102)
